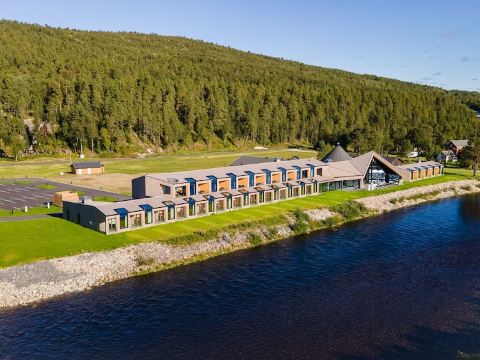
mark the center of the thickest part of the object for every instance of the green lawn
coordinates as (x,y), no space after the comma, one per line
(162,163)
(31,211)
(106,198)
(46,186)
(31,240)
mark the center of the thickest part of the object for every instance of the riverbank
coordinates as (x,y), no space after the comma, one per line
(26,284)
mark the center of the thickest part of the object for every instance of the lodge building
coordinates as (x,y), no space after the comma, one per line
(167,197)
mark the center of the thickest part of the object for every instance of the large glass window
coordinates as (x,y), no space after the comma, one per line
(160,216)
(112,225)
(123,222)
(136,220)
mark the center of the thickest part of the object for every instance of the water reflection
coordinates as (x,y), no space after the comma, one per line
(401,286)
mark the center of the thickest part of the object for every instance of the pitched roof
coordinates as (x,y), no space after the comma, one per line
(459,143)
(362,163)
(248,160)
(87,165)
(337,154)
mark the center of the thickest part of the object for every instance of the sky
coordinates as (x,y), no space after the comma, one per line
(424,41)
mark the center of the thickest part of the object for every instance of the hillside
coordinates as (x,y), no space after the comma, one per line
(120,91)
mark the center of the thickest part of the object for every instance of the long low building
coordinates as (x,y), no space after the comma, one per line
(166,197)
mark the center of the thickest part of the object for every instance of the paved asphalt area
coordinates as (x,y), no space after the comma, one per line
(18,195)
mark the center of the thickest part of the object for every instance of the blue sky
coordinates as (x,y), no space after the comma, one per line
(423,41)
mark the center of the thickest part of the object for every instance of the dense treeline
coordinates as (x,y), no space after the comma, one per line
(112,91)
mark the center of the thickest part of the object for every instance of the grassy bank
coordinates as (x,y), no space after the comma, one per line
(33,240)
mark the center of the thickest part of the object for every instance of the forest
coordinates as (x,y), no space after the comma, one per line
(120,92)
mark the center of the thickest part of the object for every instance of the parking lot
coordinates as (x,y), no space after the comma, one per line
(37,192)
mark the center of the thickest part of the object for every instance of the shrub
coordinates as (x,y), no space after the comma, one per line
(300,215)
(350,209)
(143,261)
(300,227)
(254,239)
(332,221)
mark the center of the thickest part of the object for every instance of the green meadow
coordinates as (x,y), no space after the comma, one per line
(162,163)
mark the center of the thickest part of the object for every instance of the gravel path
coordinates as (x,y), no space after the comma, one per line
(25,284)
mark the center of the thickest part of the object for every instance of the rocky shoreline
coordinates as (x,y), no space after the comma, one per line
(39,281)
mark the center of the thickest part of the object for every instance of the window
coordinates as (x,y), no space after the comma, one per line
(319,172)
(181,191)
(237,202)
(181,212)
(160,216)
(220,205)
(112,225)
(262,197)
(136,220)
(201,208)
(171,212)
(123,222)
(268,196)
(148,213)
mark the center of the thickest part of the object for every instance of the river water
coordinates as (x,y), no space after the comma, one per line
(400,286)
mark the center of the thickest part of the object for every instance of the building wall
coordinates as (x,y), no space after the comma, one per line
(139,188)
(276,177)
(82,214)
(224,183)
(88,171)
(242,182)
(203,188)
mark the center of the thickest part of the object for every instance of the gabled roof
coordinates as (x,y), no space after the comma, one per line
(448,152)
(362,163)
(459,143)
(87,165)
(248,160)
(337,154)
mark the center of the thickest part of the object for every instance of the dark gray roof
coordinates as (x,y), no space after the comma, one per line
(337,154)
(248,160)
(87,165)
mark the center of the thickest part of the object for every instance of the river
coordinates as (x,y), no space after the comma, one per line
(405,285)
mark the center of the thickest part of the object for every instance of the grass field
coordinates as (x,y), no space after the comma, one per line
(31,240)
(202,160)
(119,172)
(31,211)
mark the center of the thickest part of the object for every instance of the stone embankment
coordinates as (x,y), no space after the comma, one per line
(400,199)
(26,284)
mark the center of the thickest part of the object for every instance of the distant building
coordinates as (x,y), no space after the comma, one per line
(62,196)
(446,156)
(249,160)
(87,168)
(456,145)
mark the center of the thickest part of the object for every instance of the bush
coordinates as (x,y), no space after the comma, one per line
(254,239)
(300,215)
(300,227)
(332,221)
(143,261)
(350,210)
